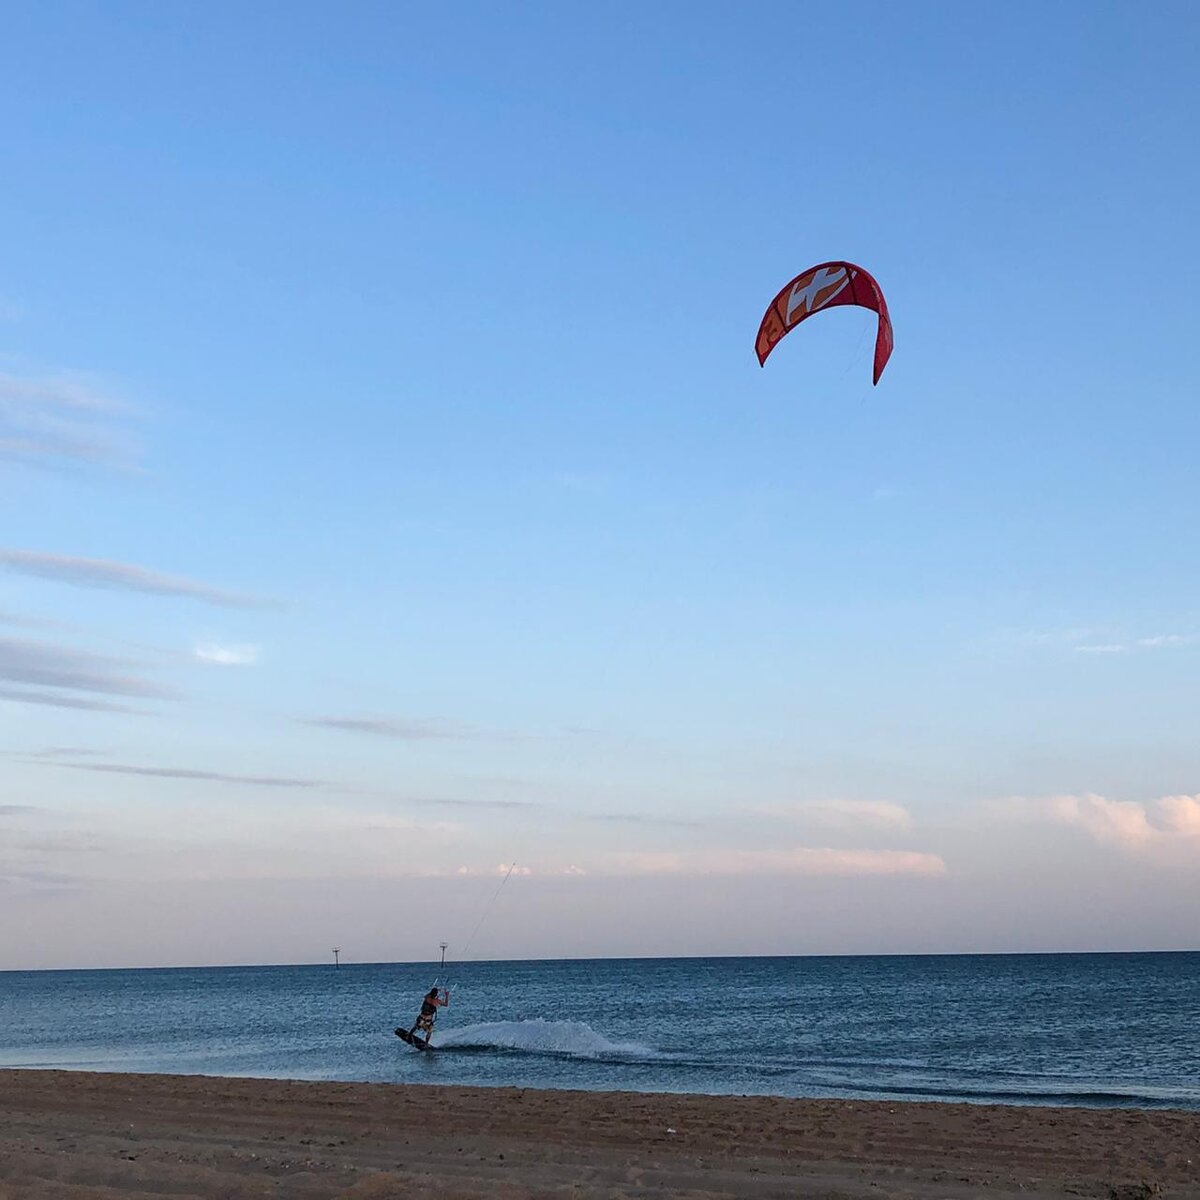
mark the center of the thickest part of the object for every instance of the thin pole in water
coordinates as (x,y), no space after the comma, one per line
(336,951)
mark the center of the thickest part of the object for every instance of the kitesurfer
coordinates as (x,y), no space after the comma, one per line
(428,1014)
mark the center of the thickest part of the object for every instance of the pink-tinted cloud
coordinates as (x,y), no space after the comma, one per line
(1130,824)
(845,814)
(1179,815)
(798,860)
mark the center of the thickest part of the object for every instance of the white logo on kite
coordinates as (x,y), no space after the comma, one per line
(803,301)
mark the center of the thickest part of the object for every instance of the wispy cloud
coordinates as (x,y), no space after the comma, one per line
(398,728)
(16,810)
(452,802)
(12,618)
(1096,640)
(187,773)
(226,656)
(1065,637)
(844,814)
(105,573)
(57,700)
(799,860)
(65,843)
(67,752)
(40,879)
(501,869)
(628,818)
(588,482)
(1159,641)
(63,416)
(48,665)
(1130,824)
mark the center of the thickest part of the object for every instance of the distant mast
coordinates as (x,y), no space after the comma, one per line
(336,951)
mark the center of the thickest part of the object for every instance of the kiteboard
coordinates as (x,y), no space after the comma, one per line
(417,1043)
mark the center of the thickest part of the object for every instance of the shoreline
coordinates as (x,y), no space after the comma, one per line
(1098,1101)
(66,1134)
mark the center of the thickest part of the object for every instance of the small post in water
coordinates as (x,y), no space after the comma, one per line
(336,951)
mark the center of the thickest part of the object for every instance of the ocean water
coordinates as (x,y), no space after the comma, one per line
(1103,1029)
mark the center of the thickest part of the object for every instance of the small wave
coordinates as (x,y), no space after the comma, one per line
(570,1039)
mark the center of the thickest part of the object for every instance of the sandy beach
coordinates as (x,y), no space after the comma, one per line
(73,1134)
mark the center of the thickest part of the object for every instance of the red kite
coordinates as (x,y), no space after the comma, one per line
(820,287)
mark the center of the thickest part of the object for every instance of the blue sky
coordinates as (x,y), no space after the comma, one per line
(382,436)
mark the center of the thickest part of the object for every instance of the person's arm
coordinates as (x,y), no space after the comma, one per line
(444,1002)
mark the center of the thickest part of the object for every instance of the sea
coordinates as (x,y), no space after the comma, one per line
(1077,1029)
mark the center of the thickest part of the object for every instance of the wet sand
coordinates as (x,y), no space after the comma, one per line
(66,1134)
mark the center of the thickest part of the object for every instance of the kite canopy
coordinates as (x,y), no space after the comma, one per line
(825,286)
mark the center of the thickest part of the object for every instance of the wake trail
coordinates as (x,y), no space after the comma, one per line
(566,1039)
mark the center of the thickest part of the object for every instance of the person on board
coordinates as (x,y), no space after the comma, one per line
(428,1013)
